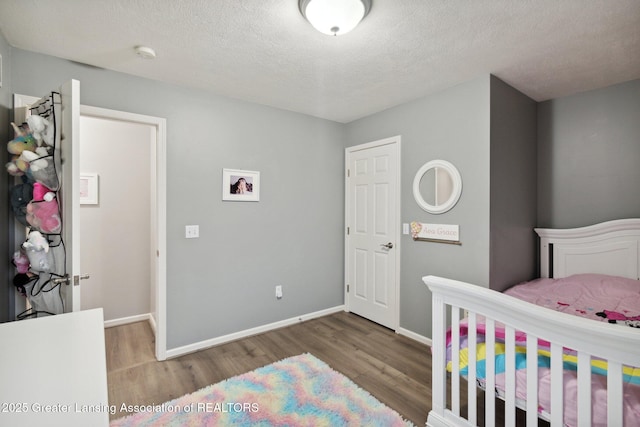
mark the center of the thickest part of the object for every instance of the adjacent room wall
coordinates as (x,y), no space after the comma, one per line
(7,311)
(451,125)
(513,171)
(589,157)
(224,282)
(115,234)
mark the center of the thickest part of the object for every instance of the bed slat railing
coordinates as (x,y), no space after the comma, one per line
(532,381)
(455,361)
(471,390)
(614,394)
(438,361)
(620,346)
(584,388)
(510,378)
(557,388)
(490,396)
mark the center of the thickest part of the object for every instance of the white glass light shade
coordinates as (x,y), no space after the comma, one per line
(334,17)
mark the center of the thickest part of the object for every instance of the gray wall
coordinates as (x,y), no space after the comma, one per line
(589,157)
(6,115)
(224,281)
(513,168)
(452,125)
(487,129)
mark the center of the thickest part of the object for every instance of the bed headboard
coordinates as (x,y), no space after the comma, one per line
(611,247)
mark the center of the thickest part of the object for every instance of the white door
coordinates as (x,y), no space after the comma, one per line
(69,191)
(66,107)
(373,231)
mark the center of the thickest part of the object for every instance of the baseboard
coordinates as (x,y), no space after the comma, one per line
(126,320)
(180,351)
(152,323)
(414,336)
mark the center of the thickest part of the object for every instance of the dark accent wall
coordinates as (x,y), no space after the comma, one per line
(513,174)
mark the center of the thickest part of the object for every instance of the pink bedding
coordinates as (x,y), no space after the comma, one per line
(598,297)
(595,296)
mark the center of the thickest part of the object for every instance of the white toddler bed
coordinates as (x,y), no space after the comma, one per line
(501,333)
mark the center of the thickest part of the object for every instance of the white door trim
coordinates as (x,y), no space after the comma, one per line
(396,141)
(160,254)
(160,322)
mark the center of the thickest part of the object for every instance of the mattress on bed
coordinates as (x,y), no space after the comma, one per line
(598,297)
(594,296)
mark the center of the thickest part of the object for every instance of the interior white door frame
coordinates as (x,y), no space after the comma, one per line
(160,321)
(396,141)
(159,254)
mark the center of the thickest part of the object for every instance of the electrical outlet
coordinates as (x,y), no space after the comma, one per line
(191,231)
(278,291)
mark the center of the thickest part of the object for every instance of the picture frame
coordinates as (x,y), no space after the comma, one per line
(88,188)
(240,185)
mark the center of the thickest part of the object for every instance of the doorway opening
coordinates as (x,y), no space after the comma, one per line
(149,134)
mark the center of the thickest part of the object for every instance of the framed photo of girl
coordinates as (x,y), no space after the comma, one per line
(240,185)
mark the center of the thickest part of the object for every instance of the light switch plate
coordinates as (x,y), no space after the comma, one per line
(191,231)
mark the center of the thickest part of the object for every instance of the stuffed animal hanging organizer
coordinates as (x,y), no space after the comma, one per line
(34,202)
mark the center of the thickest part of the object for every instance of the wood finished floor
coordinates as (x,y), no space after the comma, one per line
(392,367)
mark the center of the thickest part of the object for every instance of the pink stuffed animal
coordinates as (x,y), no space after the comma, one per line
(21,262)
(43,212)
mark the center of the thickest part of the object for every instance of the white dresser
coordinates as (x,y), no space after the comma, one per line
(53,371)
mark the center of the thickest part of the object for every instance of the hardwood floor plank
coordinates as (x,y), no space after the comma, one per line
(129,346)
(393,368)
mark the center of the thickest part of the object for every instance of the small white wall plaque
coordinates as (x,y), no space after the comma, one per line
(445,233)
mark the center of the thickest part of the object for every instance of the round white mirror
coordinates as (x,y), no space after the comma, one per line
(437,186)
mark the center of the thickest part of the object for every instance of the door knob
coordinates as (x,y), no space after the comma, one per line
(65,280)
(76,279)
(388,245)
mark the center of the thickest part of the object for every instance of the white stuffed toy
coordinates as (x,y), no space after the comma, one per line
(37,249)
(42,129)
(41,167)
(35,160)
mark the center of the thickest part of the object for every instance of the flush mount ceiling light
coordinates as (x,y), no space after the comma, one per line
(334,17)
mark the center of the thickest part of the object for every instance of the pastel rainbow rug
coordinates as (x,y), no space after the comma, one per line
(298,391)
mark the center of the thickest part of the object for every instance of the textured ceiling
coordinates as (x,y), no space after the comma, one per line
(264,51)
